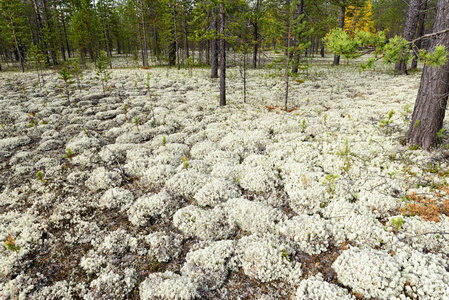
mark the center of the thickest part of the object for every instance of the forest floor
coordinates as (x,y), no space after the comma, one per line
(149,190)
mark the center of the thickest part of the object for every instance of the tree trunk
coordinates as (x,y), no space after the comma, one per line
(222,59)
(418,44)
(214,46)
(411,22)
(341,24)
(322,49)
(256,43)
(172,54)
(208,52)
(296,54)
(144,35)
(430,105)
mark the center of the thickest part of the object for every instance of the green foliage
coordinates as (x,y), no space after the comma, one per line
(396,50)
(102,74)
(387,121)
(303,125)
(37,61)
(77,72)
(69,154)
(397,223)
(185,162)
(39,175)
(67,77)
(164,140)
(435,59)
(440,133)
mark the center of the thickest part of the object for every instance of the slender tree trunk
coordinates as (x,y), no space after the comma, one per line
(411,22)
(214,46)
(144,35)
(222,59)
(322,49)
(208,47)
(296,54)
(256,43)
(418,44)
(287,64)
(65,35)
(172,54)
(430,105)
(341,24)
(244,76)
(186,40)
(176,43)
(47,15)
(16,43)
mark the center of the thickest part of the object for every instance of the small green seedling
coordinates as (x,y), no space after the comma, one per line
(397,223)
(69,154)
(284,254)
(303,125)
(164,140)
(10,243)
(185,161)
(40,176)
(386,122)
(440,133)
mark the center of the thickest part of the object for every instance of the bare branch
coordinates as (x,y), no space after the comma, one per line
(430,35)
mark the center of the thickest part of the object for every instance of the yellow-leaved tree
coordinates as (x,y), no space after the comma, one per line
(359,18)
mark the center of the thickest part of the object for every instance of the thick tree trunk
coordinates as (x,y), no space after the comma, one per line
(341,24)
(411,22)
(222,59)
(214,46)
(430,105)
(418,44)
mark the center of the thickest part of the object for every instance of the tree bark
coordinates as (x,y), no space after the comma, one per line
(65,34)
(341,24)
(222,58)
(296,54)
(214,46)
(418,44)
(430,105)
(256,43)
(144,35)
(411,22)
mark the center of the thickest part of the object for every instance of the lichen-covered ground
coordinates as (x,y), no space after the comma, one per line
(151,191)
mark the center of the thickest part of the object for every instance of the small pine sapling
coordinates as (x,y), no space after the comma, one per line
(67,77)
(37,60)
(77,72)
(102,74)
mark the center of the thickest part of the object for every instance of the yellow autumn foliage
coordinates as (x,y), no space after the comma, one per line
(359,18)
